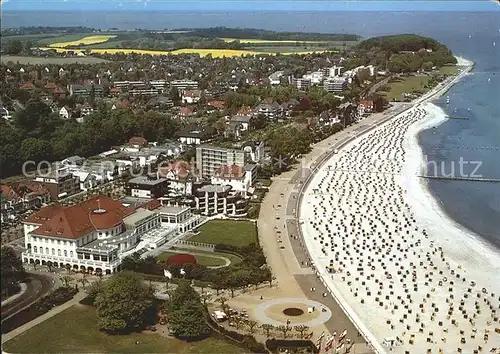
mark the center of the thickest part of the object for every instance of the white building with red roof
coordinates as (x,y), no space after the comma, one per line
(91,236)
(234,176)
(181,176)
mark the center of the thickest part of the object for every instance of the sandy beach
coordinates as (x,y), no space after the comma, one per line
(411,279)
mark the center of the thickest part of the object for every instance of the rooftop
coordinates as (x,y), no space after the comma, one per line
(146,180)
(172,209)
(97,213)
(210,188)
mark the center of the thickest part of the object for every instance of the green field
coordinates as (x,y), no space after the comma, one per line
(25,60)
(405,85)
(229,232)
(74,331)
(286,49)
(64,38)
(448,70)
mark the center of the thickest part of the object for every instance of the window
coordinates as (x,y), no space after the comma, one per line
(41,250)
(53,252)
(65,253)
(71,254)
(58,252)
(35,249)
(47,250)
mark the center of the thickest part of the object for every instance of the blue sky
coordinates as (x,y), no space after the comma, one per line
(248,5)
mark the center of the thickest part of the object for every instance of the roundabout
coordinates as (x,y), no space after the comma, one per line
(292,311)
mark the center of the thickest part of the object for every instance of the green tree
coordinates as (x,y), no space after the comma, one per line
(187,315)
(124,303)
(12,270)
(14,47)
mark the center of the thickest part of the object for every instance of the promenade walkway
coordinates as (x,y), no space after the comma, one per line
(12,334)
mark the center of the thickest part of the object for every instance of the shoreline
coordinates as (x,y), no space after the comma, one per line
(424,100)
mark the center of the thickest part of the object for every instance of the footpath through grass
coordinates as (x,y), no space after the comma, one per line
(229,232)
(74,331)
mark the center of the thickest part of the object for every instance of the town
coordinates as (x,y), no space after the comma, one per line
(149,173)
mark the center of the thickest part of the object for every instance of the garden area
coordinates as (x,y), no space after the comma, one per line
(207,259)
(228,232)
(410,84)
(75,330)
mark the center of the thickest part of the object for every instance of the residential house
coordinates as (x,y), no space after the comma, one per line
(160,102)
(216,105)
(195,134)
(186,112)
(150,186)
(275,78)
(288,106)
(269,110)
(234,176)
(59,183)
(254,150)
(73,161)
(20,197)
(181,176)
(240,123)
(137,142)
(191,96)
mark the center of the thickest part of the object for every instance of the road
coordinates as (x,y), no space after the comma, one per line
(37,286)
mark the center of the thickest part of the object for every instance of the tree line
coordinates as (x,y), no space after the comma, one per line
(36,133)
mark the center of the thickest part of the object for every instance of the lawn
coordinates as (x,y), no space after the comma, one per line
(230,232)
(448,70)
(405,85)
(25,60)
(74,331)
(62,38)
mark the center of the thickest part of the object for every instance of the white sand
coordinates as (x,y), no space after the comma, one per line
(364,210)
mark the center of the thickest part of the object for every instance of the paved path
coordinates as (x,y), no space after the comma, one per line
(281,239)
(78,297)
(23,287)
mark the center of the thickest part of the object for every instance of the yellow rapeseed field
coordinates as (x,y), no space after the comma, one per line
(257,41)
(216,53)
(84,41)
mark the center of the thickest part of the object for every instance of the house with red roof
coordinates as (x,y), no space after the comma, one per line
(234,176)
(191,96)
(20,197)
(90,236)
(181,176)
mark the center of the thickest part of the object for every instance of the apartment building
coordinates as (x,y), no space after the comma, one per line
(59,183)
(147,187)
(184,84)
(210,158)
(302,84)
(335,84)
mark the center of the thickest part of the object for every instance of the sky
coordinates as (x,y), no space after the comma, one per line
(249,5)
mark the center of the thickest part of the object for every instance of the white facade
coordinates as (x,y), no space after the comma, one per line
(190,140)
(236,184)
(178,217)
(100,250)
